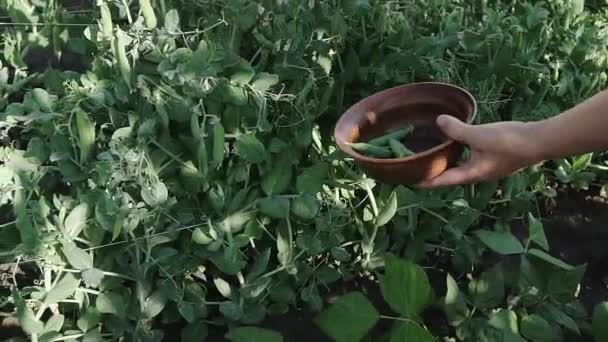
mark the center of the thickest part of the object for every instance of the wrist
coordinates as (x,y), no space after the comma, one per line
(537,142)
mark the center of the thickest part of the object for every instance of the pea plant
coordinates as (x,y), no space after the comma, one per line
(172,163)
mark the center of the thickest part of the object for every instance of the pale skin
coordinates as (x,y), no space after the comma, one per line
(502,148)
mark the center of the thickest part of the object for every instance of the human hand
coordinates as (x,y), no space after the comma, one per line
(497,150)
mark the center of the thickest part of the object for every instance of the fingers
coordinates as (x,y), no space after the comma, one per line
(454,128)
(465,174)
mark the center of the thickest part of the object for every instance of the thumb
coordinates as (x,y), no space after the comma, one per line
(454,128)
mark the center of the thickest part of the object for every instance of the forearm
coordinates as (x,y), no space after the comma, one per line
(582,129)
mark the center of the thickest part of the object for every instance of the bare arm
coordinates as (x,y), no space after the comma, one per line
(499,149)
(579,130)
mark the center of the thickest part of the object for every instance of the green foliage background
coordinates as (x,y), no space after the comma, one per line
(183,169)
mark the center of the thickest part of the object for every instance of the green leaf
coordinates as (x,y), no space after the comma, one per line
(155,303)
(248,147)
(409,332)
(89,319)
(455,304)
(537,329)
(600,322)
(195,332)
(489,290)
(305,206)
(276,207)
(504,320)
(277,179)
(27,319)
(242,74)
(537,233)
(111,303)
(312,178)
(172,21)
(388,211)
(563,285)
(405,287)
(92,277)
(155,194)
(76,220)
(45,101)
(54,323)
(77,257)
(62,290)
(349,319)
(550,259)
(500,242)
(263,81)
(253,334)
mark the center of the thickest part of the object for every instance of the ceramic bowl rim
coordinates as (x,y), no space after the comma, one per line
(343,145)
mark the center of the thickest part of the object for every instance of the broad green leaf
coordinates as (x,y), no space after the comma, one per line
(92,277)
(550,259)
(248,147)
(405,287)
(276,207)
(263,81)
(194,332)
(242,73)
(171,22)
(600,322)
(349,319)
(76,220)
(155,194)
(155,303)
(312,178)
(536,328)
(456,307)
(504,320)
(563,286)
(111,303)
(409,332)
(27,319)
(284,248)
(305,206)
(500,242)
(77,257)
(537,232)
(277,180)
(54,323)
(63,289)
(554,313)
(253,334)
(388,211)
(489,290)
(45,101)
(89,319)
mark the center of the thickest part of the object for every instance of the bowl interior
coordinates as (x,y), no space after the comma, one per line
(417,104)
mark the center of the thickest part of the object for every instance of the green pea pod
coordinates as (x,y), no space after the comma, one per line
(195,127)
(372,150)
(218,144)
(106,20)
(399,134)
(148,12)
(118,46)
(86,135)
(399,150)
(203,156)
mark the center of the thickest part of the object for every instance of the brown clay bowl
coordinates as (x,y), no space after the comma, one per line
(418,104)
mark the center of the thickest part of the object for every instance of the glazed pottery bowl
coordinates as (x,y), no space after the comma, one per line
(417,104)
